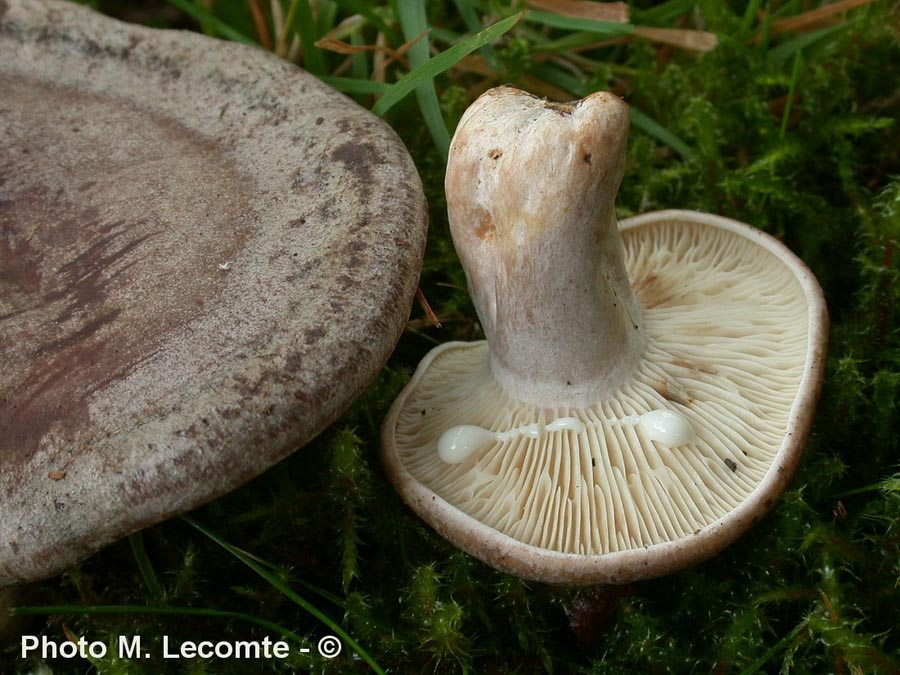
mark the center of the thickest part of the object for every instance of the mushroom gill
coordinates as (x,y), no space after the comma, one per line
(727,332)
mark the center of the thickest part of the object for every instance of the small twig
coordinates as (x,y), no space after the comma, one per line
(432,317)
(393,55)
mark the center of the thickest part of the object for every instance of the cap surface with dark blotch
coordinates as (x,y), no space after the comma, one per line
(646,387)
(205,255)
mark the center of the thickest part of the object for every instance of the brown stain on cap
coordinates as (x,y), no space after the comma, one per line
(95,271)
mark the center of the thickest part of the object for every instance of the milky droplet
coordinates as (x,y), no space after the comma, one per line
(667,427)
(457,444)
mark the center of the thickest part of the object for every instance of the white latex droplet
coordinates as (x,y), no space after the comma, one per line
(566,424)
(668,428)
(457,444)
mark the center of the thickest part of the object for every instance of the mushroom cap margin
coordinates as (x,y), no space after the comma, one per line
(540,564)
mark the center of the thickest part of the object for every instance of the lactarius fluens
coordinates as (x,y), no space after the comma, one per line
(646,388)
(206,255)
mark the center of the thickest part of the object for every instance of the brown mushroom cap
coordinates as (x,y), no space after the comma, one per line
(205,255)
(733,332)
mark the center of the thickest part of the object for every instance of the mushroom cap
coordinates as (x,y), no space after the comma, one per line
(735,329)
(206,254)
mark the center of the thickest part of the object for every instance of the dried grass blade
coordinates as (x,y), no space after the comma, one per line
(339,47)
(261,25)
(695,40)
(345,27)
(278,26)
(616,12)
(379,62)
(429,313)
(814,18)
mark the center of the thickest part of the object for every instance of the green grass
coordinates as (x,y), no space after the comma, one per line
(796,133)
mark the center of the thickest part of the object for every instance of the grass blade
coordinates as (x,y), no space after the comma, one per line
(749,15)
(207,19)
(650,126)
(665,13)
(349,85)
(784,51)
(313,59)
(774,649)
(785,118)
(473,25)
(275,582)
(321,592)
(144,565)
(360,62)
(442,62)
(602,28)
(365,10)
(414,22)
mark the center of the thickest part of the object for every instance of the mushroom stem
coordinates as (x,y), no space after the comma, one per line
(531,189)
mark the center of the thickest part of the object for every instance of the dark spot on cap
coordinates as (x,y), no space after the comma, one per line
(313,335)
(587,158)
(356,157)
(496,153)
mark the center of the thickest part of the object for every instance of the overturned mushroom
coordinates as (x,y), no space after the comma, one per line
(206,254)
(645,391)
